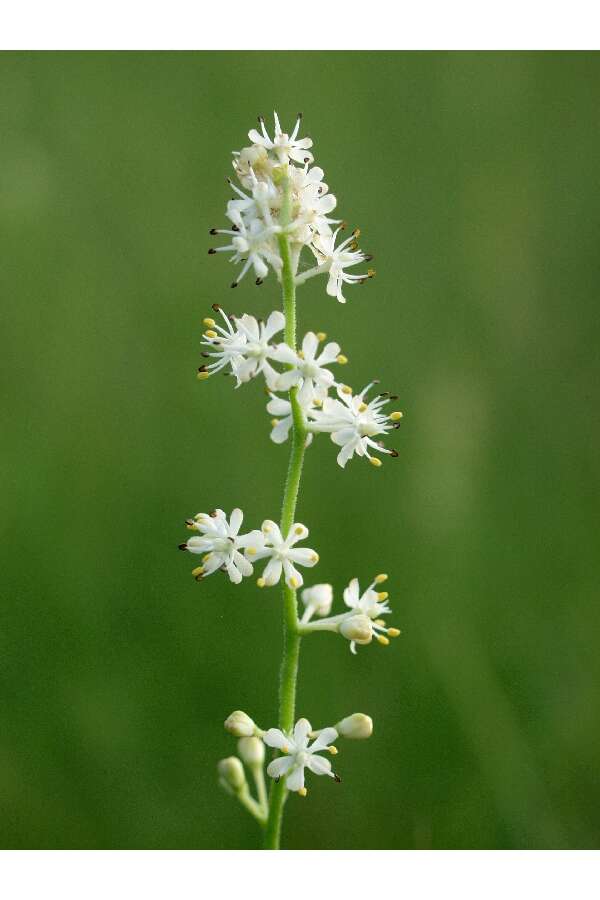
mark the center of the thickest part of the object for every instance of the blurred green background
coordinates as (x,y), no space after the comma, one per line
(474,178)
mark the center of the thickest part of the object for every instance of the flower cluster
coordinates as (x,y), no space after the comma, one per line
(220,544)
(361,624)
(268,172)
(301,749)
(259,214)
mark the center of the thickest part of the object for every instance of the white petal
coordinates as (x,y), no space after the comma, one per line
(280,432)
(287,380)
(326,737)
(274,737)
(271,531)
(295,781)
(235,520)
(303,556)
(293,578)
(310,345)
(277,406)
(329,354)
(285,354)
(352,594)
(272,572)
(319,765)
(302,729)
(275,323)
(281,765)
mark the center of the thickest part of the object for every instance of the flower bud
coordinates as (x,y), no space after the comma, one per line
(356,726)
(239,724)
(231,773)
(252,751)
(357,628)
(319,597)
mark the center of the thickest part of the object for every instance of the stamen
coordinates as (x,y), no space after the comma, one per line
(379,579)
(396,416)
(342,360)
(261,582)
(321,336)
(333,750)
(393,632)
(382,595)
(183,546)
(302,792)
(210,323)
(381,639)
(375,462)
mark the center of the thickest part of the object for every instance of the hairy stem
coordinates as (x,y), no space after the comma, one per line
(291,636)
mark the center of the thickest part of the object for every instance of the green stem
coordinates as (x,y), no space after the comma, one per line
(291,636)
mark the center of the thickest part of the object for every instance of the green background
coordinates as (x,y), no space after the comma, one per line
(474,178)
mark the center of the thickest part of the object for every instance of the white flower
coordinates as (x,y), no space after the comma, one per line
(281,408)
(334,260)
(220,543)
(299,754)
(308,369)
(252,245)
(353,423)
(367,610)
(282,553)
(285,147)
(243,345)
(317,600)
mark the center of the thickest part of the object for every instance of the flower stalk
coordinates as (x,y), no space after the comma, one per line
(282,208)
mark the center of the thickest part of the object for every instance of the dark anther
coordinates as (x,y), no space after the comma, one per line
(396,425)
(233,284)
(369,257)
(384,394)
(307,159)
(211,250)
(213,231)
(189,522)
(205,355)
(394,454)
(260,118)
(394,397)
(216,307)
(299,116)
(213,514)
(258,281)
(278,779)
(337,778)
(202,368)
(182,546)
(235,228)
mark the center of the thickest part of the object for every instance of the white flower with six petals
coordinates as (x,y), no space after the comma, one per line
(300,755)
(220,542)
(282,552)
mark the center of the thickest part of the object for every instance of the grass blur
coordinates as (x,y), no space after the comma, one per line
(474,179)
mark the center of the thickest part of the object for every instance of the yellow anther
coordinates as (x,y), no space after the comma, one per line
(299,529)
(371,273)
(380,622)
(301,354)
(321,336)
(346,389)
(266,529)
(285,749)
(375,462)
(333,750)
(303,792)
(382,595)
(396,416)
(261,582)
(356,232)
(210,323)
(293,583)
(206,557)
(381,638)
(379,579)
(202,376)
(210,334)
(317,402)
(342,359)
(274,422)
(362,407)
(394,632)
(314,558)
(190,527)
(251,551)
(197,571)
